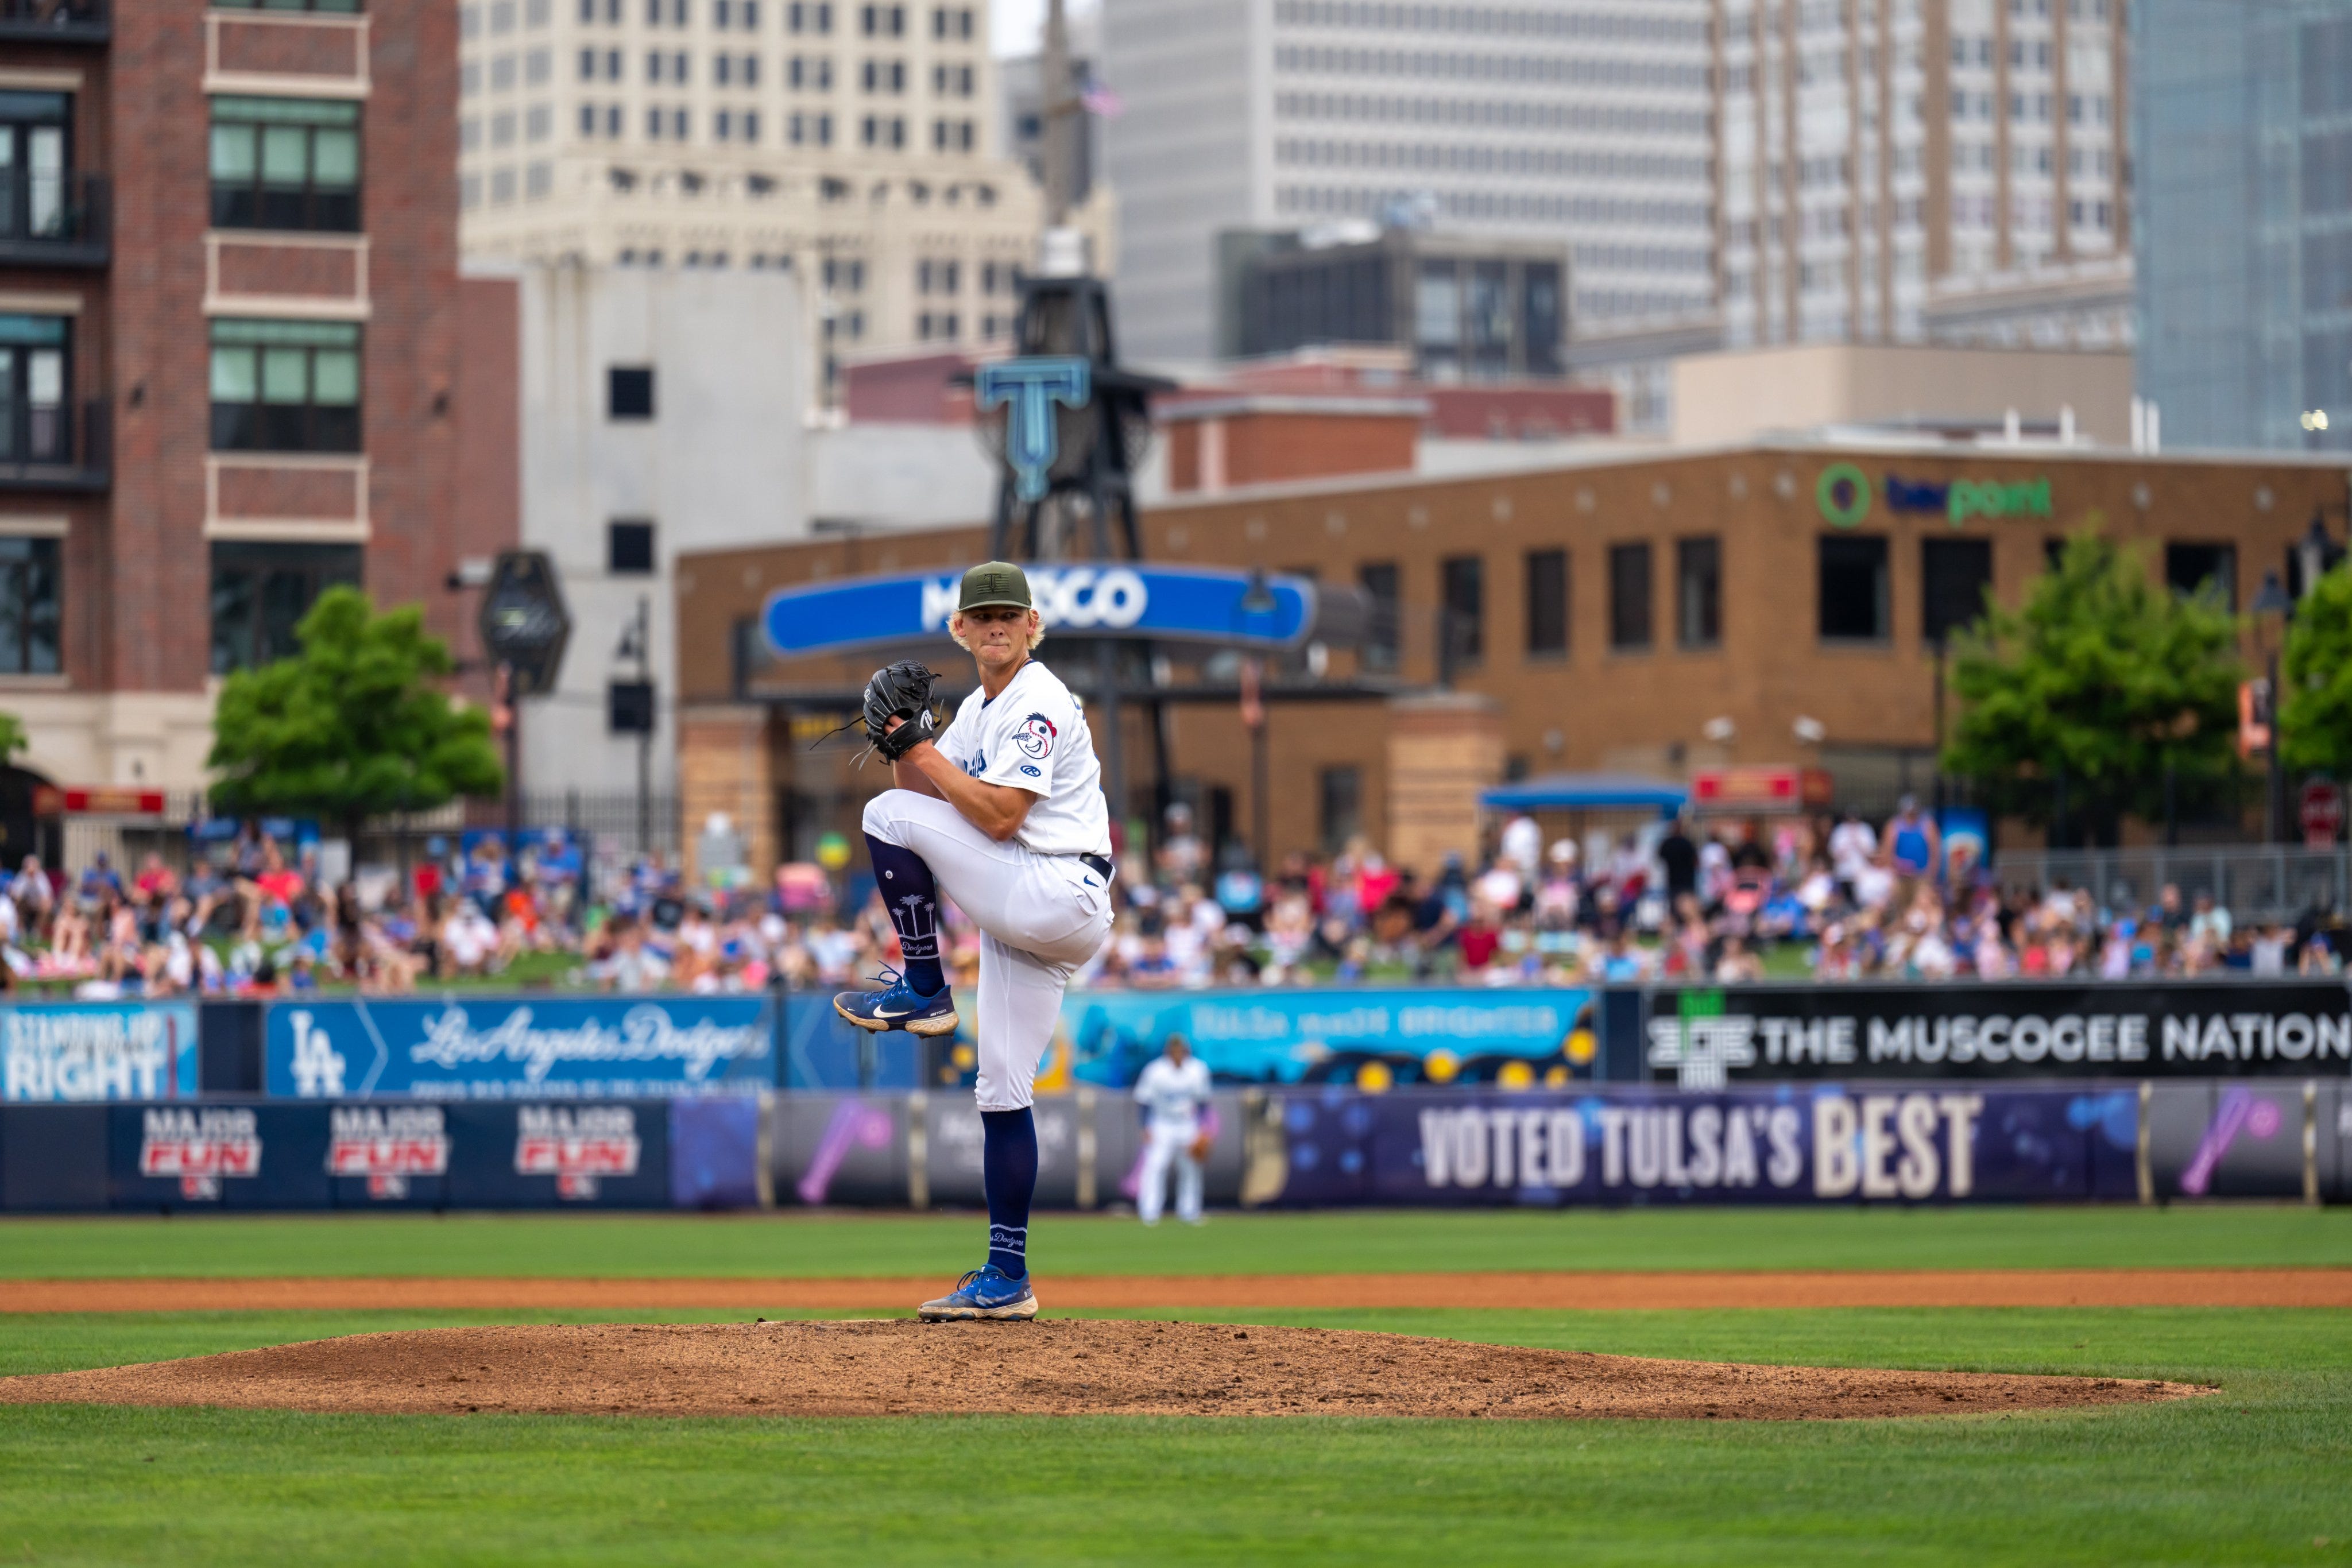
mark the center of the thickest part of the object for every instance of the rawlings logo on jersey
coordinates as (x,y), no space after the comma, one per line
(1036,737)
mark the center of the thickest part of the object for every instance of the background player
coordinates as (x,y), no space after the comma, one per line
(1172,1089)
(1004,811)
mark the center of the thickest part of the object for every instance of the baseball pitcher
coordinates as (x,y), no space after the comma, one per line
(1004,810)
(1171,1089)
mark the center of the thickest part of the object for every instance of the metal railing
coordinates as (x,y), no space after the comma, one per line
(55,448)
(2252,881)
(76,21)
(53,220)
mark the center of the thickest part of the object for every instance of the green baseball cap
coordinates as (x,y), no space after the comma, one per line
(996,582)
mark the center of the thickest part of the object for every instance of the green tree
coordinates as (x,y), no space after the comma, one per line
(12,739)
(2103,678)
(354,725)
(2316,672)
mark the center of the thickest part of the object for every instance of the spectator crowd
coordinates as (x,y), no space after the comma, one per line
(1792,897)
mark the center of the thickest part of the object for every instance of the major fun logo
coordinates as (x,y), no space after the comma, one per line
(576,1144)
(199,1147)
(387,1144)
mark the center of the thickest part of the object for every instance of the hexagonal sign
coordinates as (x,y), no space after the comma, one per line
(524,622)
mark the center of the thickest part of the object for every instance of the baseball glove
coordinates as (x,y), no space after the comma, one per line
(1199,1148)
(903,692)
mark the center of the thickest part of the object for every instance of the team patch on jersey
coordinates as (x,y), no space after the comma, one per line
(1036,737)
(1031,771)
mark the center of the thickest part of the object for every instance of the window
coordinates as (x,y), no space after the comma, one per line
(2190,569)
(33,165)
(1628,597)
(1341,796)
(286,164)
(261,592)
(285,386)
(629,392)
(1463,582)
(1547,604)
(629,707)
(29,615)
(1953,575)
(1381,638)
(35,359)
(629,547)
(1853,607)
(1699,593)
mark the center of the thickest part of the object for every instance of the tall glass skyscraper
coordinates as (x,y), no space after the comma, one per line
(2243,128)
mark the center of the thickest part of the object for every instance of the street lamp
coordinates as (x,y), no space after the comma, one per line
(2272,604)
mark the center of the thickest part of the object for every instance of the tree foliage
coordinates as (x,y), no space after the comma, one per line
(2102,677)
(354,725)
(12,739)
(2315,704)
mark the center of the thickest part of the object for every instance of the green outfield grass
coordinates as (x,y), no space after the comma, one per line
(1405,1241)
(2254,1474)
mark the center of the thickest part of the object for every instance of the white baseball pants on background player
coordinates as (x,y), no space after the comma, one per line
(1165,1147)
(1040,917)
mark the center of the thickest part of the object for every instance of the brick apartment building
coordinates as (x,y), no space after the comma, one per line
(230,322)
(1603,614)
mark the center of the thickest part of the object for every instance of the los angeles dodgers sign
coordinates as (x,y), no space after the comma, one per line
(604,1048)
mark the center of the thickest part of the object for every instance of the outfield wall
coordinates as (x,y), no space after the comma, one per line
(473,1047)
(1843,1143)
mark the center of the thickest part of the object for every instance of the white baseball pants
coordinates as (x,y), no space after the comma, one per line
(1165,1146)
(1040,917)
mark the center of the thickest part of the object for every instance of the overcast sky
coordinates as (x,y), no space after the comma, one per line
(1020,24)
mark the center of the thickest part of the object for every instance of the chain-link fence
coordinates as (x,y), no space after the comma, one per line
(2252,882)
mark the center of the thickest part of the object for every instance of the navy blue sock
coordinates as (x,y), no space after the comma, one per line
(913,899)
(1008,1167)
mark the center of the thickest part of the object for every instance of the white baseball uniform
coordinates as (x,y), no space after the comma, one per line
(1041,910)
(1171,1097)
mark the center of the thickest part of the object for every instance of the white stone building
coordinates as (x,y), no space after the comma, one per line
(852,144)
(661,413)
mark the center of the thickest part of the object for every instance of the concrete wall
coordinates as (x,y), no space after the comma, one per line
(720,465)
(1737,396)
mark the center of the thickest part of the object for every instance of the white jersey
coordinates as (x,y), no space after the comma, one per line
(1174,1095)
(1033,736)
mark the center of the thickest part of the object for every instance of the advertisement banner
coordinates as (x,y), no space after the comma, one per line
(218,1156)
(84,1052)
(1709,1037)
(510,1049)
(1404,1035)
(1819,1143)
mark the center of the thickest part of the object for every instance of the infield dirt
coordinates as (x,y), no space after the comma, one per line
(1056,1367)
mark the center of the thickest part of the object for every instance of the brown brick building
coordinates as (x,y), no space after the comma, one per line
(1604,615)
(230,323)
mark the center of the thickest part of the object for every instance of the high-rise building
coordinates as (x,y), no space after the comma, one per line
(230,369)
(1022,80)
(1899,170)
(2244,127)
(1583,121)
(853,143)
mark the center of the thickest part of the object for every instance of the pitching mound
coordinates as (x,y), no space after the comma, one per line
(1058,1367)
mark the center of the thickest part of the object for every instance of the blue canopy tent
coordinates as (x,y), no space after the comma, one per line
(1587,792)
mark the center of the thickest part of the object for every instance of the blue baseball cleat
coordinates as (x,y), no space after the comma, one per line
(900,1006)
(986,1292)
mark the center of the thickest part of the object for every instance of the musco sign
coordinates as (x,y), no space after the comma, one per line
(576,1144)
(1706,1038)
(387,1146)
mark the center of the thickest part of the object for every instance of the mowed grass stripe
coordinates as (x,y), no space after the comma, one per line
(2251,1475)
(821,1244)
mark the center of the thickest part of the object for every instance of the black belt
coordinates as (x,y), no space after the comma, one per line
(1098,864)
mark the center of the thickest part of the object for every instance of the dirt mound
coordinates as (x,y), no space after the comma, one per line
(1058,1367)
